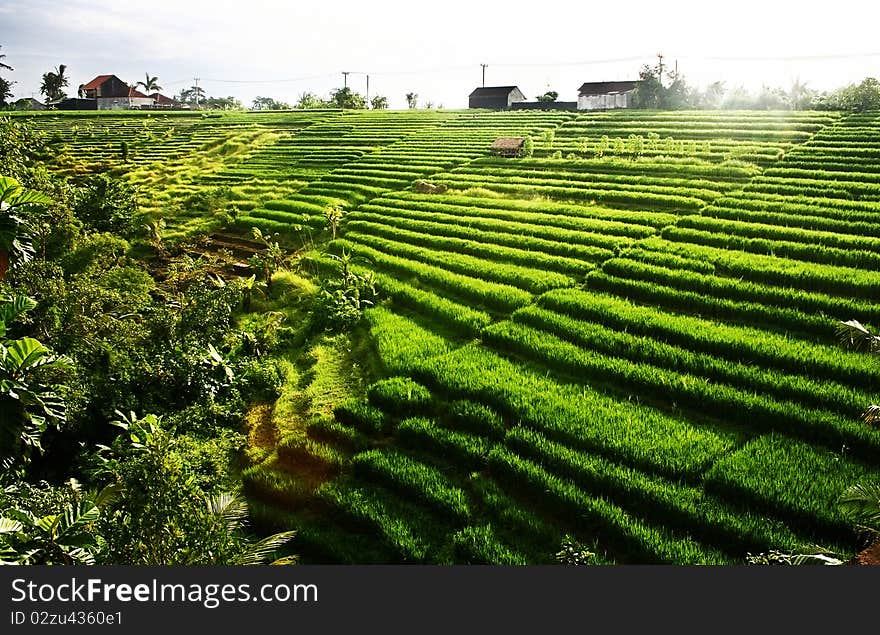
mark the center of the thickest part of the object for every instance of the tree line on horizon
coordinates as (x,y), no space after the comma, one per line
(675,93)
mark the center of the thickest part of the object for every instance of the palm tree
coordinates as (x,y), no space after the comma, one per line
(412,99)
(799,94)
(231,510)
(53,83)
(5,91)
(69,537)
(150,84)
(2,64)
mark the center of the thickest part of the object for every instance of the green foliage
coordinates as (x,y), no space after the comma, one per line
(54,83)
(347,98)
(631,537)
(269,260)
(29,401)
(571,552)
(260,379)
(5,92)
(16,242)
(311,101)
(267,103)
(860,504)
(20,146)
(379,103)
(855,97)
(334,217)
(528,149)
(724,247)
(342,298)
(161,516)
(67,537)
(441,310)
(106,204)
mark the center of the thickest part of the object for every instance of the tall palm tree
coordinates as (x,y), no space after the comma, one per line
(2,64)
(150,84)
(54,82)
(799,94)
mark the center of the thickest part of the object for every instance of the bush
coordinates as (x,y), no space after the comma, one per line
(106,204)
(340,302)
(96,251)
(261,380)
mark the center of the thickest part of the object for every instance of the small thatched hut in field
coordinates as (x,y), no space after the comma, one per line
(508,146)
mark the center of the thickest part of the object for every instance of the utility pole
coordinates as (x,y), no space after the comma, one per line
(345,78)
(660,66)
(197,92)
(368,91)
(484,74)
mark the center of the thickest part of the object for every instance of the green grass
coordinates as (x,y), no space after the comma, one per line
(402,344)
(576,415)
(400,396)
(792,481)
(633,346)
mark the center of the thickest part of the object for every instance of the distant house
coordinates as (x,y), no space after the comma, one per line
(162,101)
(495,97)
(112,93)
(606,95)
(29,103)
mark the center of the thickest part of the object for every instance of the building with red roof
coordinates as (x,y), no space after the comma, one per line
(111,93)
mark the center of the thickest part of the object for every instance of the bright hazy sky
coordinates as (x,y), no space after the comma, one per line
(434,48)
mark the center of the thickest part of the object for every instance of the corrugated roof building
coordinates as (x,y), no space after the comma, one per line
(495,97)
(112,93)
(606,95)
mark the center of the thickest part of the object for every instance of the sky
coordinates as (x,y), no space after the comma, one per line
(277,49)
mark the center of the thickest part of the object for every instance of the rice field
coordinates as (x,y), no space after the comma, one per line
(628,338)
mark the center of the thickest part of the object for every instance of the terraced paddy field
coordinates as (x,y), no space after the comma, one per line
(627,338)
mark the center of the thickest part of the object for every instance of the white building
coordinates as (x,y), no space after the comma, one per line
(606,95)
(111,93)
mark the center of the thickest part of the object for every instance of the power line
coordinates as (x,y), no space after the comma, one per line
(614,60)
(268,81)
(780,58)
(582,63)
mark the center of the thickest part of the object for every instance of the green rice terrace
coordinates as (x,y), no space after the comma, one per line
(628,337)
